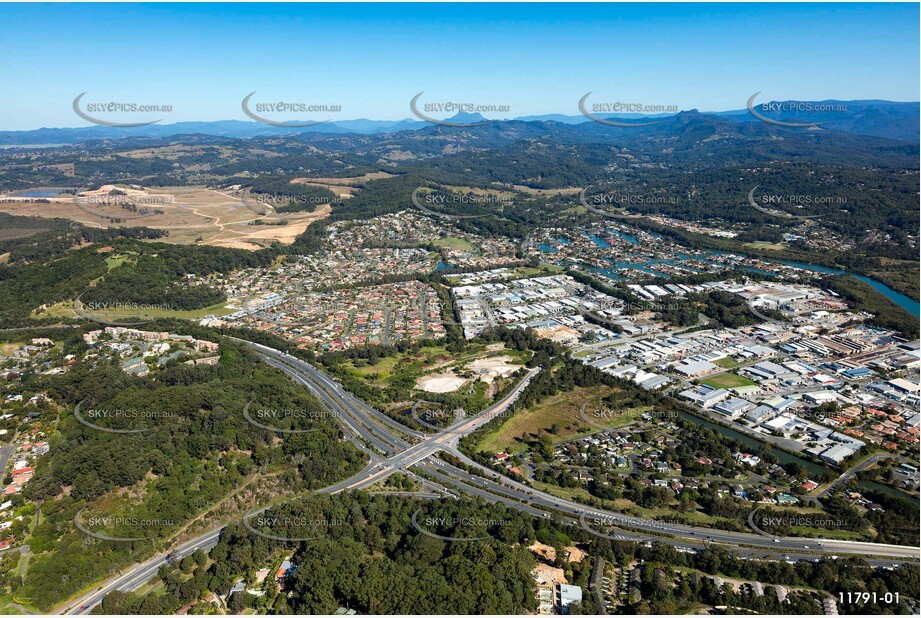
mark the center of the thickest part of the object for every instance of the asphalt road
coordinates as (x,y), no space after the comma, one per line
(403,448)
(140,574)
(863,465)
(519,492)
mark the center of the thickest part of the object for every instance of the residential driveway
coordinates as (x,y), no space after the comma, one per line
(5,451)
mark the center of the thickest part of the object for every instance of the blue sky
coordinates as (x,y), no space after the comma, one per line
(202,59)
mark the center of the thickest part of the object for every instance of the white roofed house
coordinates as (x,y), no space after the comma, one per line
(568,595)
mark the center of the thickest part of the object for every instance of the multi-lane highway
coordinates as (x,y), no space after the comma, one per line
(519,493)
(394,447)
(138,575)
(506,488)
(362,420)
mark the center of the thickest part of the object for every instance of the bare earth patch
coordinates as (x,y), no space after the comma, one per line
(491,368)
(350,180)
(189,214)
(440,383)
(548,553)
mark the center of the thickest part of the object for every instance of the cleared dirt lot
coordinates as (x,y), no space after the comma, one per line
(488,369)
(341,187)
(189,214)
(344,181)
(441,383)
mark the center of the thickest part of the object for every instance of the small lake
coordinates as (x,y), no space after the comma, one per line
(38,193)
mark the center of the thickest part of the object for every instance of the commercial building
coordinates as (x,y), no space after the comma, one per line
(733,407)
(705,396)
(695,369)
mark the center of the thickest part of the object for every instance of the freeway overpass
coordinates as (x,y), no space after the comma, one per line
(393,446)
(509,488)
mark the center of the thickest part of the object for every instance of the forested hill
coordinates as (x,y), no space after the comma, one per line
(890,119)
(188,448)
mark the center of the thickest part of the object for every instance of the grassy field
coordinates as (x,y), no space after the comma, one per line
(561,410)
(727,380)
(66,310)
(548,192)
(397,377)
(767,245)
(808,531)
(480,191)
(727,362)
(425,360)
(384,370)
(545,269)
(117,259)
(453,242)
(7,608)
(385,367)
(825,533)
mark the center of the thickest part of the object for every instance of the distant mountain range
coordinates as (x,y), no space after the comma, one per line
(887,119)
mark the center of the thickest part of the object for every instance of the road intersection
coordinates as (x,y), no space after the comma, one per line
(393,447)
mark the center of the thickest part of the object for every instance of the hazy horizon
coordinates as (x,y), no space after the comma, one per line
(370,60)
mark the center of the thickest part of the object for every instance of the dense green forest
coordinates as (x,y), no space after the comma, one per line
(195,449)
(886,313)
(371,558)
(153,276)
(24,287)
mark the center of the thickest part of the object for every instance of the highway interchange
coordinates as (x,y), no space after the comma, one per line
(393,447)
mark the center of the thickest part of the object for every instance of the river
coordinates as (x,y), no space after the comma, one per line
(911,306)
(906,303)
(889,491)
